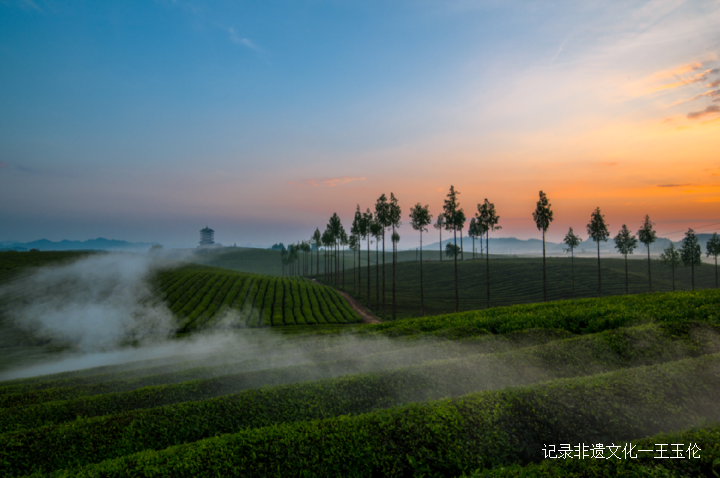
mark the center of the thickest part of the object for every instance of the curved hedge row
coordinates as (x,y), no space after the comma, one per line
(201,297)
(448,437)
(577,316)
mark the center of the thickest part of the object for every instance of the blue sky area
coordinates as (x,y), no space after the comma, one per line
(147,120)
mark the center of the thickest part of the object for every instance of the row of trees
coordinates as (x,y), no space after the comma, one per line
(387,214)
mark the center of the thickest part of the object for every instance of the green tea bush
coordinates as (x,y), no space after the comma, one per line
(451,436)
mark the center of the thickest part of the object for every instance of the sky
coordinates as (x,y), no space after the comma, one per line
(148,120)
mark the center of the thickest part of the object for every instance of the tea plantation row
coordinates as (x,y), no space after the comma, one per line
(202,297)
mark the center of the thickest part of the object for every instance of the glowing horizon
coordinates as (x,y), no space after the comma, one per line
(144,122)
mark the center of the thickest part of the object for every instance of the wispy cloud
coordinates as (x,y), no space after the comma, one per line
(702,76)
(30,4)
(673,185)
(246,42)
(609,163)
(331,182)
(713,84)
(707,111)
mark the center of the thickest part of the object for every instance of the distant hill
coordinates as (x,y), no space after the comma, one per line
(100,243)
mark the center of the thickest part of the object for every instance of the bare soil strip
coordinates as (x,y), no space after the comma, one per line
(367,316)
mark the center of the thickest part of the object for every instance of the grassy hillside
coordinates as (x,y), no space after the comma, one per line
(474,394)
(512,281)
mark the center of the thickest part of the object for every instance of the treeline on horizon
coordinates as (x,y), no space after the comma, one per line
(387,215)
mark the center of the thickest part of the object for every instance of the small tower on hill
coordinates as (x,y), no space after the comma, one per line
(207,237)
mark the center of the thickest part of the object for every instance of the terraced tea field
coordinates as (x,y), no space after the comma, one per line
(198,297)
(480,393)
(206,297)
(513,280)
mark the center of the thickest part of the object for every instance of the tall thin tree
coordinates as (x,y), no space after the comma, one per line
(543,216)
(395,238)
(420,218)
(354,245)
(597,229)
(453,215)
(367,221)
(376,230)
(317,240)
(394,216)
(382,217)
(337,231)
(328,241)
(671,257)
(356,231)
(344,241)
(647,236)
(488,221)
(472,232)
(691,253)
(625,243)
(713,249)
(572,241)
(440,225)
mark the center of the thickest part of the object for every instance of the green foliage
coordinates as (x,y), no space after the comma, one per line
(576,316)
(120,434)
(670,256)
(690,252)
(625,241)
(571,240)
(542,215)
(646,233)
(449,437)
(597,229)
(713,245)
(452,250)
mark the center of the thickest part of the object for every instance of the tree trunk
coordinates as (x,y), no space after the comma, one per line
(462,251)
(394,309)
(692,272)
(487,266)
(383,274)
(354,266)
(649,277)
(572,270)
(473,247)
(441,244)
(544,271)
(359,268)
(457,296)
(343,271)
(377,277)
(368,269)
(626,276)
(599,278)
(716,274)
(422,294)
(317,260)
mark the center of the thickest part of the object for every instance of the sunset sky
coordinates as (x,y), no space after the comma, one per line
(147,120)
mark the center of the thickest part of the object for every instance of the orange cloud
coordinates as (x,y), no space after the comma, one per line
(707,111)
(685,81)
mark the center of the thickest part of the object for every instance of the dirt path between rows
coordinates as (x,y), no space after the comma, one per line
(367,316)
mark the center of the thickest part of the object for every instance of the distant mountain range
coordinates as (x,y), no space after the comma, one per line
(100,243)
(511,245)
